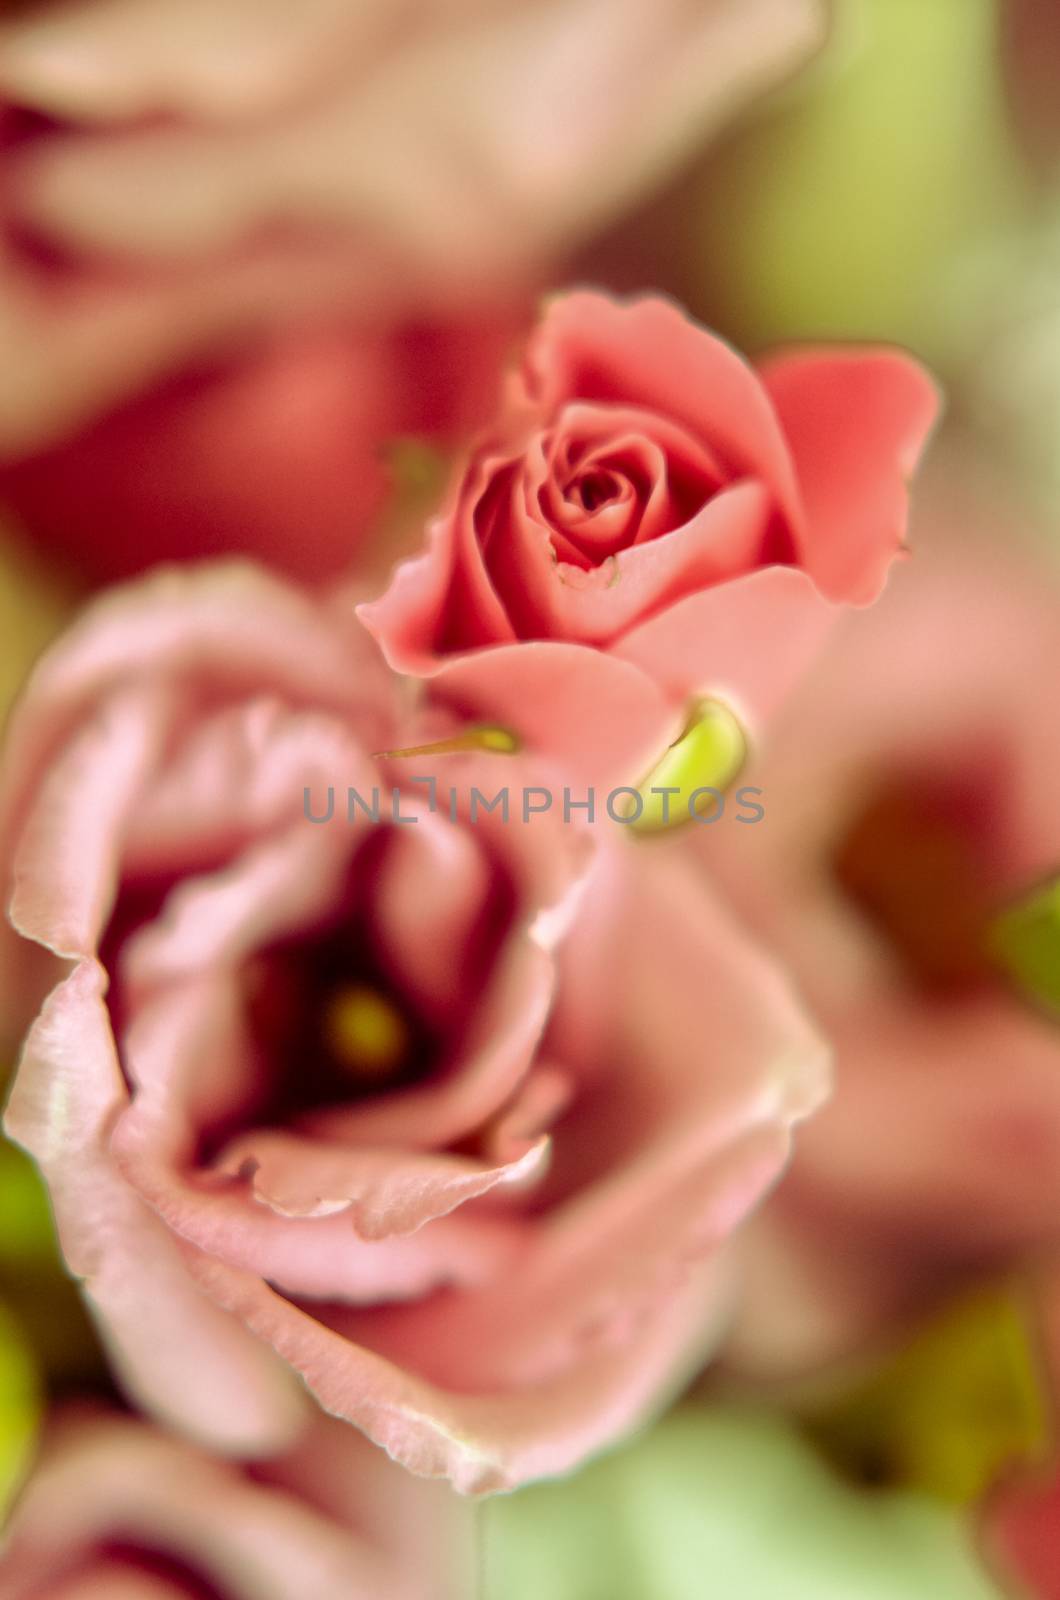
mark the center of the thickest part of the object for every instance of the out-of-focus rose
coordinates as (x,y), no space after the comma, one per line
(205,169)
(117,1510)
(1023,1539)
(912,796)
(1031,42)
(284,450)
(440,1113)
(649,495)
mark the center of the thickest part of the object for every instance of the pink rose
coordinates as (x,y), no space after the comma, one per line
(912,795)
(448,1119)
(649,496)
(117,1510)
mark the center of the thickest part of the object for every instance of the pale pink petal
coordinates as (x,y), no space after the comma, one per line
(482,140)
(106,1480)
(856,422)
(385,1193)
(431,889)
(202,632)
(188,1056)
(69,854)
(286,883)
(240,773)
(178,1354)
(322,1258)
(654,1168)
(110,62)
(483,1443)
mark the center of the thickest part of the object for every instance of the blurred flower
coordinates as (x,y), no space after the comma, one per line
(1023,1538)
(726,1502)
(1031,41)
(279,448)
(912,796)
(117,1508)
(378,1103)
(647,494)
(180,174)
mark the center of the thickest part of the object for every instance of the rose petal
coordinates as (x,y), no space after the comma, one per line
(646,352)
(745,643)
(109,1479)
(177,1352)
(483,1443)
(601,721)
(68,857)
(857,422)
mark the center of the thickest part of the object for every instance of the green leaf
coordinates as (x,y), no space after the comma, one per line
(1025,940)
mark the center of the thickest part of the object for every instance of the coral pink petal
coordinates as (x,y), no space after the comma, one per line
(645,352)
(857,422)
(597,606)
(745,642)
(600,719)
(179,1355)
(406,620)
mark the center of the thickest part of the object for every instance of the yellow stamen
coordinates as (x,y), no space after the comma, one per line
(499,741)
(366,1033)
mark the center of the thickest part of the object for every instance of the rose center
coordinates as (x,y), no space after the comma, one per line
(594,489)
(366,1034)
